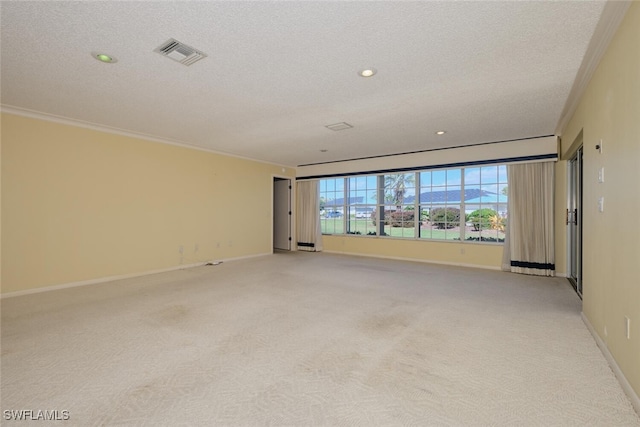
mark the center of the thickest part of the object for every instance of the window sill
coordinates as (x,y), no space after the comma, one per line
(467,242)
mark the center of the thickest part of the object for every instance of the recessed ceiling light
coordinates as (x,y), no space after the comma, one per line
(103,57)
(441,132)
(369,72)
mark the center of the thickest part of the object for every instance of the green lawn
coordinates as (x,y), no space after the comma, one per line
(365,225)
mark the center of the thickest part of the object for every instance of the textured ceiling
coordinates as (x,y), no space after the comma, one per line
(278,72)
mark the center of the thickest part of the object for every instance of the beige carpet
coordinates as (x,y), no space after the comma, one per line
(310,339)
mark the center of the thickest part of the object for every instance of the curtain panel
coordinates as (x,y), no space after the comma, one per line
(309,234)
(529,241)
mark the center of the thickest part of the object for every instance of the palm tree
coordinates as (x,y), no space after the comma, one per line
(395,187)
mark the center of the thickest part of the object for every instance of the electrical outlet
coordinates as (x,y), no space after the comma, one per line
(601,204)
(601,175)
(196,248)
(180,249)
(605,331)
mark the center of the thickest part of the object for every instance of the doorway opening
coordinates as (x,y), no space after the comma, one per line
(281,214)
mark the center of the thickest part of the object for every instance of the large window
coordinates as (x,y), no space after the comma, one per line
(467,203)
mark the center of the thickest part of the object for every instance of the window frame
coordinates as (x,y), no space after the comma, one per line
(355,225)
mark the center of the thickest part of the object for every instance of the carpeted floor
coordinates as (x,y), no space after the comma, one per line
(310,339)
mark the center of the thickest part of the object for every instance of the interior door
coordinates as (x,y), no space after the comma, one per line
(574,221)
(282,214)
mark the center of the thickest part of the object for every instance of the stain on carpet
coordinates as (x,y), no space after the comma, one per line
(383,325)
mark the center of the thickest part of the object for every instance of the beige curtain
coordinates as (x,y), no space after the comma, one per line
(309,234)
(529,241)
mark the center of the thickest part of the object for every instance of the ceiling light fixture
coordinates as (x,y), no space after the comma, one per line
(441,132)
(369,72)
(103,57)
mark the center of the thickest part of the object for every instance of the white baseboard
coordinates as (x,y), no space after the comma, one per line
(629,391)
(118,277)
(454,264)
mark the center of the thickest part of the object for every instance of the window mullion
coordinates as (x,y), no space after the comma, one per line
(416,206)
(463,209)
(380,207)
(345,204)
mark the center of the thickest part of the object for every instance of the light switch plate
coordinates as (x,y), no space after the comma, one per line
(601,204)
(601,175)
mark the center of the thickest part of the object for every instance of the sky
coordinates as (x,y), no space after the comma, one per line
(491,178)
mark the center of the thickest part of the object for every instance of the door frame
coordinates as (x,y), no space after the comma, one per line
(574,219)
(274,178)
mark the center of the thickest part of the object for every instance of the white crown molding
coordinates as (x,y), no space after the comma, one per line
(610,20)
(18,111)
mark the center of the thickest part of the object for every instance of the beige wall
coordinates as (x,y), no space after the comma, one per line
(610,110)
(79,204)
(467,254)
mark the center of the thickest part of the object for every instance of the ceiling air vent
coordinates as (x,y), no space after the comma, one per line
(179,52)
(339,126)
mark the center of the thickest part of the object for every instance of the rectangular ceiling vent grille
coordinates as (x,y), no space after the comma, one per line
(179,52)
(339,126)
